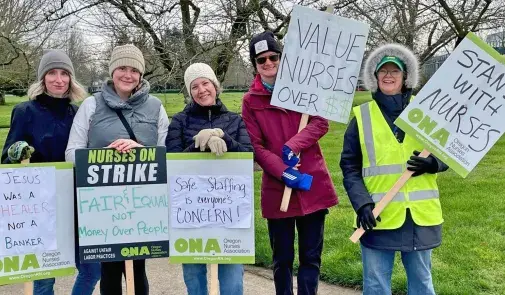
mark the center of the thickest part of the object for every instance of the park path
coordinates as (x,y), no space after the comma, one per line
(166,279)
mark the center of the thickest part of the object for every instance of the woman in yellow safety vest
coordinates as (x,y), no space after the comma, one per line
(374,155)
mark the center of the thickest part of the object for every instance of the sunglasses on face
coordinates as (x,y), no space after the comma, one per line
(272,58)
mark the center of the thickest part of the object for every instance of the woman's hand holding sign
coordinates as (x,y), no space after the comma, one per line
(294,179)
(422,165)
(217,146)
(289,157)
(203,137)
(124,145)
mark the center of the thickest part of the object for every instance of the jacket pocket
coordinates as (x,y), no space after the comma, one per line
(146,131)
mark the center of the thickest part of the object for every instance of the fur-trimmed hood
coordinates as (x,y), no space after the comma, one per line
(392,49)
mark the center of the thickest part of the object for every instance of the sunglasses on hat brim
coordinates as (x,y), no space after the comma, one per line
(263,59)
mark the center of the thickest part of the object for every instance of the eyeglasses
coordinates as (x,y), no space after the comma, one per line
(263,59)
(393,73)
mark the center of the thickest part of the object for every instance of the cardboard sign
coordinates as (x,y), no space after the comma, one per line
(122,204)
(27,210)
(320,64)
(207,226)
(458,115)
(35,246)
(211,201)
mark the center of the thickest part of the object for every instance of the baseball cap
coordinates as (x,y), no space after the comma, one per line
(391,59)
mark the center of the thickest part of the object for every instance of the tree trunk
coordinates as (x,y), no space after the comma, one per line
(2,98)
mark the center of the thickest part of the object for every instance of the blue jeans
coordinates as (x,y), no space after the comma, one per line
(230,279)
(89,275)
(378,268)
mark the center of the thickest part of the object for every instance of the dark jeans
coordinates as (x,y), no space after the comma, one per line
(310,245)
(112,273)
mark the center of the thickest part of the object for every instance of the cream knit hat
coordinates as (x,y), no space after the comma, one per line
(126,55)
(200,70)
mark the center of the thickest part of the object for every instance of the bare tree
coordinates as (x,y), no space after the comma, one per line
(463,17)
(426,26)
(213,30)
(23,31)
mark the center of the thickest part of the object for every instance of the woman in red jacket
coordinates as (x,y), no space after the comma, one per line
(276,142)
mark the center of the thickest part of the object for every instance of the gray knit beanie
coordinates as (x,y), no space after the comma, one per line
(200,70)
(126,56)
(54,59)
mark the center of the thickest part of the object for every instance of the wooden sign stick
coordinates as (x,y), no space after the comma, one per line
(287,190)
(286,197)
(28,286)
(214,279)
(130,280)
(388,197)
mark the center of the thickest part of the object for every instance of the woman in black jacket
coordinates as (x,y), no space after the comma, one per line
(206,124)
(44,123)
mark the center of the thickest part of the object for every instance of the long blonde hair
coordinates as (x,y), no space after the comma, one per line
(75,91)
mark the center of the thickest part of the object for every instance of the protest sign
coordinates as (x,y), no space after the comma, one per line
(28,201)
(320,64)
(211,201)
(458,114)
(35,215)
(211,208)
(122,204)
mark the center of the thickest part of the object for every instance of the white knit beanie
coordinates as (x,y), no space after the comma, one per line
(126,56)
(200,70)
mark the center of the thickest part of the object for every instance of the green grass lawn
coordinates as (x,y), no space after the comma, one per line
(471,258)
(172,102)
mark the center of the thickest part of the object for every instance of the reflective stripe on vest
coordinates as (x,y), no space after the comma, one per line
(367,134)
(382,170)
(374,170)
(413,196)
(384,161)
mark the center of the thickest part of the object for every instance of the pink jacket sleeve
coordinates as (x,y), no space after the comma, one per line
(270,162)
(316,128)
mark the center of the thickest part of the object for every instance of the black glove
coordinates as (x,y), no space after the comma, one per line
(422,165)
(365,217)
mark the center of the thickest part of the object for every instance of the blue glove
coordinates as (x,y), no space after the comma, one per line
(289,157)
(294,179)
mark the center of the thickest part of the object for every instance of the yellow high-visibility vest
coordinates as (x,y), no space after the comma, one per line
(384,161)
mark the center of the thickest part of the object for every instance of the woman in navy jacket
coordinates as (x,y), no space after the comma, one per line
(44,123)
(206,124)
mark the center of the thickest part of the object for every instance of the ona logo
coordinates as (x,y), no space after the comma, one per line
(135,251)
(428,126)
(197,246)
(13,263)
